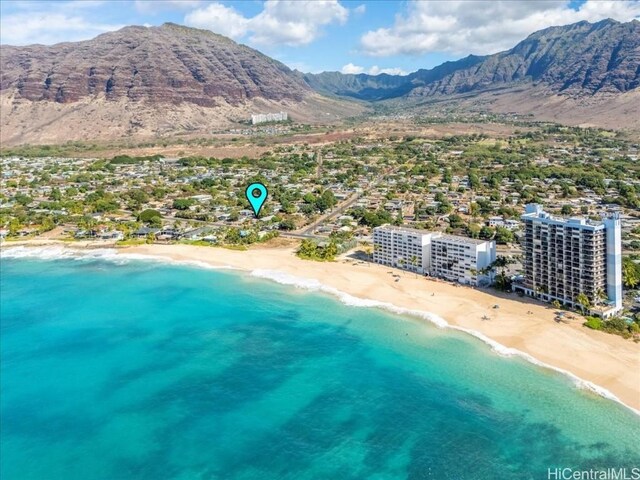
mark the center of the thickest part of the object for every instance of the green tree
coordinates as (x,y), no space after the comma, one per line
(14,227)
(486,233)
(504,236)
(183,203)
(309,198)
(330,251)
(593,323)
(137,198)
(307,249)
(148,215)
(325,201)
(287,224)
(55,194)
(630,273)
(455,221)
(583,301)
(47,224)
(22,199)
(232,236)
(474,209)
(473,230)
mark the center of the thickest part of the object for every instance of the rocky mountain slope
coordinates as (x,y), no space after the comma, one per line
(582,58)
(159,64)
(586,66)
(380,87)
(145,81)
(575,60)
(168,80)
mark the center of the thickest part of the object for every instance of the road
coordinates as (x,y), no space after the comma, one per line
(307,231)
(339,210)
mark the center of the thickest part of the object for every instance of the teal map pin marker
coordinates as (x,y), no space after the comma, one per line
(256,194)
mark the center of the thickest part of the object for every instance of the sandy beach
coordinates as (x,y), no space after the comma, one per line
(604,360)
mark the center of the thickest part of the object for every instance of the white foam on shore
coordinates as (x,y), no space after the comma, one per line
(55,252)
(502,350)
(118,257)
(112,255)
(347,299)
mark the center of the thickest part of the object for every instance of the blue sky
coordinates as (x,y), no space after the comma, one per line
(344,35)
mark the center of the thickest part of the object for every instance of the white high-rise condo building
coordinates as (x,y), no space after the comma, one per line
(454,258)
(566,259)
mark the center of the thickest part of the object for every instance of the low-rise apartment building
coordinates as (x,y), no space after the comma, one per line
(461,259)
(454,258)
(400,247)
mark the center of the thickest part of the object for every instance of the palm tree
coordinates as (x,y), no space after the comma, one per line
(414,264)
(600,297)
(375,249)
(473,271)
(402,263)
(583,301)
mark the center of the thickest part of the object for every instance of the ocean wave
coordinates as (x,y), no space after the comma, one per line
(56,253)
(118,257)
(502,350)
(112,255)
(580,383)
(315,285)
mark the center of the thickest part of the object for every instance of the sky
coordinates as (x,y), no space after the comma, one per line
(351,36)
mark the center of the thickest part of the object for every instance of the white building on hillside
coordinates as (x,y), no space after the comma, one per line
(269,117)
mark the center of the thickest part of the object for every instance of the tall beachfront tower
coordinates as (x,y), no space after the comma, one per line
(566,257)
(614,259)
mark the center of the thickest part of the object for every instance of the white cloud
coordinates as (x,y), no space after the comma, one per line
(219,19)
(375,70)
(281,22)
(360,9)
(482,27)
(48,28)
(351,68)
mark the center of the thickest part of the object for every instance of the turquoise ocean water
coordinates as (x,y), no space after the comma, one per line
(142,370)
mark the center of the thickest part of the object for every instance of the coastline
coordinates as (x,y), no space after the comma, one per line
(606,364)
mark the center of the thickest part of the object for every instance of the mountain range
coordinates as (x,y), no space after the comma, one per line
(167,80)
(574,60)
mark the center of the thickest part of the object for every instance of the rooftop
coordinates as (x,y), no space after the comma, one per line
(403,229)
(460,240)
(535,211)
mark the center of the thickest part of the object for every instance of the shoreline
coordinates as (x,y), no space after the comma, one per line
(605,364)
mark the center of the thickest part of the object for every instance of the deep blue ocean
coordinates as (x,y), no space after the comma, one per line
(142,370)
